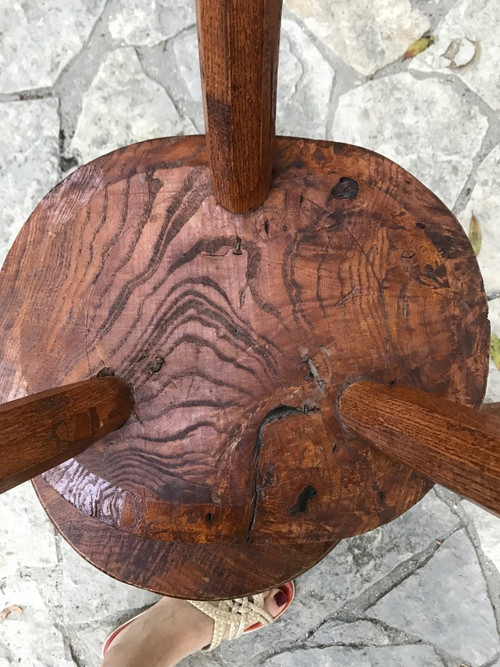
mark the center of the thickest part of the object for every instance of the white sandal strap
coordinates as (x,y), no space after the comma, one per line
(232,617)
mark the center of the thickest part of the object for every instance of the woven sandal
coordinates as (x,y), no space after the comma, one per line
(232,618)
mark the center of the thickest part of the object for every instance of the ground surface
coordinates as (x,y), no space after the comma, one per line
(81,77)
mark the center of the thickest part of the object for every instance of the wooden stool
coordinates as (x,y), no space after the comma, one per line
(298,330)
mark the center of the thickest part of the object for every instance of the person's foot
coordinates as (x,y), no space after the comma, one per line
(170,631)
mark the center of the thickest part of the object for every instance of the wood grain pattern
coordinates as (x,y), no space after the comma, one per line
(491,408)
(40,431)
(450,443)
(179,569)
(239,44)
(237,333)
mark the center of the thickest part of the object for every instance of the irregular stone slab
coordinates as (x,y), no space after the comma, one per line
(29,159)
(351,569)
(305,81)
(425,126)
(467,44)
(359,633)
(175,65)
(24,523)
(89,595)
(32,637)
(493,386)
(391,656)
(147,22)
(484,203)
(446,603)
(366,35)
(123,106)
(40,38)
(487,526)
(87,642)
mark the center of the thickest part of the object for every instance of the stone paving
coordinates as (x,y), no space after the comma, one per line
(82,77)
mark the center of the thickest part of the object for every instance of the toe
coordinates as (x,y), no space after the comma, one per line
(277,599)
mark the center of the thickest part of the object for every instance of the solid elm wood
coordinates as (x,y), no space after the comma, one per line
(40,431)
(491,409)
(450,443)
(239,44)
(190,571)
(237,334)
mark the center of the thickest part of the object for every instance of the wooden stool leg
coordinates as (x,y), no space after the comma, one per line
(42,430)
(450,443)
(239,43)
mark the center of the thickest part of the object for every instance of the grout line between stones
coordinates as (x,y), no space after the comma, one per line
(84,65)
(490,139)
(367,599)
(180,113)
(345,76)
(27,95)
(492,662)
(490,575)
(354,610)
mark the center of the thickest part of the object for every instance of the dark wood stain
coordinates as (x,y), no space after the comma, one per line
(303,501)
(346,188)
(144,256)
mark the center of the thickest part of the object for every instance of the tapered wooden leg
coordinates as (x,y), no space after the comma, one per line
(450,443)
(239,44)
(42,430)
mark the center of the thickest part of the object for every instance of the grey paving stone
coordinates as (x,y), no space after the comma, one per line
(305,81)
(366,35)
(484,203)
(359,633)
(40,38)
(29,158)
(123,106)
(26,534)
(467,45)
(90,596)
(425,126)
(350,570)
(446,604)
(87,642)
(393,656)
(147,22)
(34,638)
(487,526)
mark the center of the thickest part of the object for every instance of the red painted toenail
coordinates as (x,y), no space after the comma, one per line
(280,598)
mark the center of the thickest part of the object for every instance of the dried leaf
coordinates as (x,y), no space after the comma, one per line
(495,350)
(475,235)
(13,609)
(418,46)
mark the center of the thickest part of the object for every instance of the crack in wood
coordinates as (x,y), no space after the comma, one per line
(281,412)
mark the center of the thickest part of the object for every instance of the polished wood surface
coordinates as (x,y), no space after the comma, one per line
(179,569)
(491,409)
(40,431)
(237,334)
(450,443)
(239,44)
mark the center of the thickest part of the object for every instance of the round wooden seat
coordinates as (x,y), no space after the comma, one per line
(237,334)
